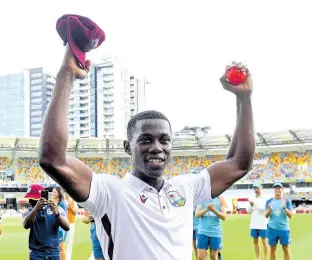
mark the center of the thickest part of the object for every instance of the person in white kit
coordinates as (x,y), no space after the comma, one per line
(258,223)
(142,216)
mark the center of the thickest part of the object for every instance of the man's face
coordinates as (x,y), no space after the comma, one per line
(278,191)
(151,146)
(257,191)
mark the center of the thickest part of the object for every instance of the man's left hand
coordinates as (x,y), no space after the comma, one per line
(211,207)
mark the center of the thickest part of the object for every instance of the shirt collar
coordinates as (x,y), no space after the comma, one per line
(141,185)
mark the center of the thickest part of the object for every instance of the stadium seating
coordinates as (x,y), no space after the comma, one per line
(277,166)
(281,166)
(27,170)
(4,163)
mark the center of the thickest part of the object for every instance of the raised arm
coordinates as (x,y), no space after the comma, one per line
(72,208)
(238,161)
(30,217)
(72,174)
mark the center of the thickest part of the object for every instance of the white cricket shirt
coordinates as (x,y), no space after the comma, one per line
(135,222)
(258,220)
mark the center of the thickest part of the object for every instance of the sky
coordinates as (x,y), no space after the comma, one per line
(182,48)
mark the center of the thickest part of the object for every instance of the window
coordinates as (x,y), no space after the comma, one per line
(35,81)
(36,113)
(36,94)
(36,75)
(37,132)
(36,87)
(36,100)
(35,106)
(36,119)
(36,126)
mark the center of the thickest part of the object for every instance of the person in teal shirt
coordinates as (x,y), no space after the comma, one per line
(209,233)
(279,211)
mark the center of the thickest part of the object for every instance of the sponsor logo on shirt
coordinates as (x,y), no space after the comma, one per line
(143,197)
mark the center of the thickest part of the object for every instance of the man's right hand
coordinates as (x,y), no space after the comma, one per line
(251,203)
(40,204)
(90,218)
(270,207)
(70,64)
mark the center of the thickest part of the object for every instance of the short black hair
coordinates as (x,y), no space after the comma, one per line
(145,115)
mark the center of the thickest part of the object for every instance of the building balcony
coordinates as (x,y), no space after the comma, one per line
(108,127)
(50,87)
(109,121)
(85,134)
(84,101)
(71,122)
(108,113)
(85,128)
(83,94)
(108,93)
(51,80)
(87,114)
(84,87)
(108,99)
(108,105)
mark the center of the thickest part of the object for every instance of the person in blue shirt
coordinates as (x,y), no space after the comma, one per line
(43,220)
(279,211)
(209,233)
(59,199)
(195,229)
(97,253)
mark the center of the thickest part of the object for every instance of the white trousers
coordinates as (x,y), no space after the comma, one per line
(70,241)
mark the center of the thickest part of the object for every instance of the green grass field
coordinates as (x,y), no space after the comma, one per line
(237,244)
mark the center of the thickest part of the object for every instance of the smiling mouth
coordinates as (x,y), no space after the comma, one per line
(155,160)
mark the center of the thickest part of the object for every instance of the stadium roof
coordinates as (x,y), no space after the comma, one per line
(289,140)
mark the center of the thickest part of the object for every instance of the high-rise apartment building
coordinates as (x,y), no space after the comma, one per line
(41,88)
(102,104)
(23,100)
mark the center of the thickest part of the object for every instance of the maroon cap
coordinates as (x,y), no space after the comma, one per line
(81,33)
(34,192)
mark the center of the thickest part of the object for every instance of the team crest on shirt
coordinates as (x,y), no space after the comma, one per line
(277,212)
(175,199)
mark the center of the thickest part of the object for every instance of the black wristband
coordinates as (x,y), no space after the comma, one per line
(57,215)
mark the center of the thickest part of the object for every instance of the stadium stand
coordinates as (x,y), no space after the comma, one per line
(284,156)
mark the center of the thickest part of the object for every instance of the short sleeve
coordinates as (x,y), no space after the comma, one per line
(288,205)
(267,203)
(25,213)
(201,187)
(74,205)
(97,202)
(62,212)
(64,205)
